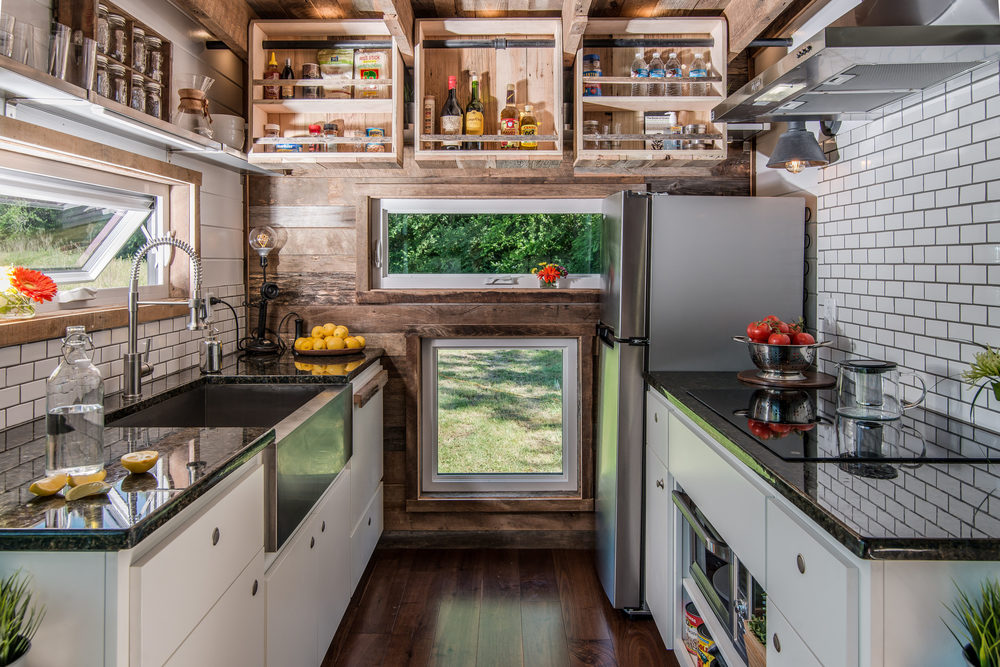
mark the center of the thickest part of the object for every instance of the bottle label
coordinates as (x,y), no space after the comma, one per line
(640,72)
(473,122)
(696,73)
(451,125)
(508,126)
(657,73)
(671,72)
(529,130)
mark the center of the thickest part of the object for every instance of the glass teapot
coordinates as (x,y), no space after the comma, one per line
(869,389)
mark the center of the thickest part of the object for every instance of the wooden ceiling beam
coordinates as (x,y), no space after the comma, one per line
(398,17)
(574,17)
(227,20)
(748,19)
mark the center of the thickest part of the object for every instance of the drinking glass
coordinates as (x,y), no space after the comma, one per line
(25,39)
(6,34)
(59,49)
(86,62)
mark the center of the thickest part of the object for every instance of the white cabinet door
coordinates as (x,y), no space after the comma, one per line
(292,602)
(658,561)
(365,537)
(232,634)
(366,456)
(784,647)
(656,424)
(333,560)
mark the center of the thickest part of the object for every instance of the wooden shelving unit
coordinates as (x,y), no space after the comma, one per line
(524,51)
(629,150)
(300,41)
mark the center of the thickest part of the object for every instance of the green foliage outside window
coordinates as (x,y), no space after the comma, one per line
(492,242)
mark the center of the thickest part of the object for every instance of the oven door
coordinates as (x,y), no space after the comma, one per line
(707,557)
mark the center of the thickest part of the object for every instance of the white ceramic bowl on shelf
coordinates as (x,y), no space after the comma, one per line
(230,130)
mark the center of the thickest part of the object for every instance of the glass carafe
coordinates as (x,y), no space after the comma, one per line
(74,410)
(869,389)
(192,109)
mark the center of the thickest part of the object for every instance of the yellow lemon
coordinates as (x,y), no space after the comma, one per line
(306,345)
(352,343)
(136,483)
(302,366)
(77,480)
(360,339)
(341,331)
(317,332)
(319,344)
(88,489)
(49,485)
(335,369)
(329,328)
(335,343)
(299,342)
(351,366)
(139,462)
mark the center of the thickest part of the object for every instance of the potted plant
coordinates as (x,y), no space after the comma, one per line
(979,624)
(755,640)
(984,371)
(549,274)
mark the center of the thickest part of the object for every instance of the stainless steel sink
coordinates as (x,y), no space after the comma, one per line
(219,405)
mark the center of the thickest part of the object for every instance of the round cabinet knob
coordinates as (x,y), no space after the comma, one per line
(216,535)
(659,483)
(776,642)
(322,527)
(800,563)
(253,591)
(312,542)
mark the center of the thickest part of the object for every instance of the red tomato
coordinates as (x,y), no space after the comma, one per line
(779,339)
(759,429)
(750,329)
(770,318)
(780,428)
(760,333)
(805,427)
(796,327)
(781,327)
(803,338)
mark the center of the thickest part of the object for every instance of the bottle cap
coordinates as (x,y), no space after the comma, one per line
(452,82)
(672,54)
(475,77)
(697,54)
(272,126)
(639,54)
(656,54)
(527,108)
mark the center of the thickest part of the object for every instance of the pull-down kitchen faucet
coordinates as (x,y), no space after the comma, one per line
(137,365)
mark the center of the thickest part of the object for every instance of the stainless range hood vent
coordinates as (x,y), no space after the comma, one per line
(848,73)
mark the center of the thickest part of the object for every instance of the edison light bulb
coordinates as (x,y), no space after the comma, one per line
(262,239)
(795,166)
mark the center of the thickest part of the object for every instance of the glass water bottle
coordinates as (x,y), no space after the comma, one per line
(74,410)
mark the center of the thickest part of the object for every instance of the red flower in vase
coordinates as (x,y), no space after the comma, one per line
(33,284)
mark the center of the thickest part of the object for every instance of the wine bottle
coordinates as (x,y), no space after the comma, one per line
(474,116)
(509,119)
(287,92)
(272,72)
(451,116)
(528,126)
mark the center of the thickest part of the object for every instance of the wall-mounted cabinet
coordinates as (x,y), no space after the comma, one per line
(624,123)
(357,99)
(524,52)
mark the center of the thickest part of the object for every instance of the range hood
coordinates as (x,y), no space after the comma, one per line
(847,73)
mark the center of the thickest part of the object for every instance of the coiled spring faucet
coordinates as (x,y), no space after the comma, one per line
(137,365)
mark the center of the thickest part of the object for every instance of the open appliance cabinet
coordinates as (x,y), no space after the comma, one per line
(630,148)
(300,41)
(524,51)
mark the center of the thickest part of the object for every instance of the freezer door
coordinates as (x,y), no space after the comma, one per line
(716,263)
(619,471)
(624,252)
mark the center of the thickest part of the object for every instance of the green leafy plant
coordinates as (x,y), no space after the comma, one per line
(984,371)
(758,626)
(19,618)
(979,622)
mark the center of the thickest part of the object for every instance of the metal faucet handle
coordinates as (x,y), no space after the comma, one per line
(145,368)
(145,351)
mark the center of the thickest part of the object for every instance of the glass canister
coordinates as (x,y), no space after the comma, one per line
(271,131)
(137,100)
(154,99)
(74,410)
(138,49)
(102,34)
(154,58)
(116,37)
(102,84)
(118,83)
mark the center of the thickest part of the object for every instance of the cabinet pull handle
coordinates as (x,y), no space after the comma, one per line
(800,562)
(659,483)
(253,591)
(216,535)
(656,417)
(322,527)
(366,393)
(312,542)
(776,642)
(369,521)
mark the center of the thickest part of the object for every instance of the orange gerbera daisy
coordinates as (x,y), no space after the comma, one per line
(549,274)
(33,284)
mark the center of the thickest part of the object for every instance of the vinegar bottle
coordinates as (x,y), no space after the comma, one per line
(74,410)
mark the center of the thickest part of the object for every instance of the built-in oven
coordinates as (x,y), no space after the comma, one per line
(725,589)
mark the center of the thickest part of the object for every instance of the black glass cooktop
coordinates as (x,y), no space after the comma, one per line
(802,425)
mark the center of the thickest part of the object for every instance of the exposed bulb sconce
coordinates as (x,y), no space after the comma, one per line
(797,148)
(263,239)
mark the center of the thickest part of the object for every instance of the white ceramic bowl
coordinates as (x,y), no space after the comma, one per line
(230,130)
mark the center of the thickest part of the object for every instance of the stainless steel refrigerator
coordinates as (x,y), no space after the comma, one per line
(680,276)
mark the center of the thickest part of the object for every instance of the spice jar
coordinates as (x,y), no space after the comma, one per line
(589,127)
(116,37)
(154,58)
(271,131)
(138,49)
(102,35)
(154,99)
(310,71)
(137,100)
(118,83)
(102,85)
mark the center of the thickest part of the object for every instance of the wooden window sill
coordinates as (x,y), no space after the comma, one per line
(53,325)
(467,503)
(480,296)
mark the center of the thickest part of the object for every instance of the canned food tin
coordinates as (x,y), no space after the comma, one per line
(692,620)
(374,147)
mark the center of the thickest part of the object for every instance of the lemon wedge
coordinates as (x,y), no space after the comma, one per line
(139,462)
(77,480)
(49,485)
(87,489)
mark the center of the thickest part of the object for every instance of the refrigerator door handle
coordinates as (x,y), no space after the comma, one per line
(607,337)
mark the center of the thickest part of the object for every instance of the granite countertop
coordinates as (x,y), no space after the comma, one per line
(192,460)
(941,507)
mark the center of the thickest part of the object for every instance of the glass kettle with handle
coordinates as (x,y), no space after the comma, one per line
(870,389)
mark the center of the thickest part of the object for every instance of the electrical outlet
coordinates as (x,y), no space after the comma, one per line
(828,313)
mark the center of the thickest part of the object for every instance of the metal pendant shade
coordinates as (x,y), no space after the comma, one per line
(797,145)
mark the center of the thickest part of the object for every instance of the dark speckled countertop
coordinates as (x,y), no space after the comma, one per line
(920,510)
(192,460)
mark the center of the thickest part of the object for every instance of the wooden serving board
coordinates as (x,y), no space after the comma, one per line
(329,353)
(813,380)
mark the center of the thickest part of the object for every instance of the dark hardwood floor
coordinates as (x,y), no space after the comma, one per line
(489,608)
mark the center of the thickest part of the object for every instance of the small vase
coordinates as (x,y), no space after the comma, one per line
(14,305)
(969,654)
(545,285)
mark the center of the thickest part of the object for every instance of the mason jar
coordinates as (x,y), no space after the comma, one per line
(118,83)
(154,58)
(102,85)
(102,34)
(137,100)
(138,49)
(154,100)
(116,37)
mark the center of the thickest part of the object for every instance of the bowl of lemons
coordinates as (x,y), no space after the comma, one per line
(328,340)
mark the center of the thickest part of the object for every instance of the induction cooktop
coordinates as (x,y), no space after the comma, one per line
(812,431)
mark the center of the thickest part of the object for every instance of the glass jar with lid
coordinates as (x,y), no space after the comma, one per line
(154,99)
(102,84)
(74,410)
(271,131)
(138,49)
(137,100)
(116,37)
(118,83)
(103,36)
(154,58)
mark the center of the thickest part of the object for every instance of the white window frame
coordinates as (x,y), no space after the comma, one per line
(156,259)
(379,216)
(567,480)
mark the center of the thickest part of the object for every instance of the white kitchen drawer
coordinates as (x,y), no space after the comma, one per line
(232,634)
(366,456)
(814,587)
(727,499)
(656,425)
(331,526)
(784,647)
(365,537)
(174,585)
